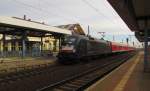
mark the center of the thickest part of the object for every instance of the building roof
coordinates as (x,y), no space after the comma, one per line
(21,24)
(135,13)
(75,28)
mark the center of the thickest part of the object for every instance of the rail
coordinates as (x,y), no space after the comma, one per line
(81,81)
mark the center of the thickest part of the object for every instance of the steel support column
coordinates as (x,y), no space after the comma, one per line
(13,49)
(24,44)
(146,47)
(59,43)
(41,45)
(55,45)
(4,45)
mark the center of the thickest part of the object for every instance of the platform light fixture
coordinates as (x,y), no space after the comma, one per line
(48,34)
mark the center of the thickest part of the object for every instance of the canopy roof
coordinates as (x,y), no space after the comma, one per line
(12,25)
(135,13)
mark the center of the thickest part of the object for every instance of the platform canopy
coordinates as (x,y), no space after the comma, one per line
(135,13)
(15,26)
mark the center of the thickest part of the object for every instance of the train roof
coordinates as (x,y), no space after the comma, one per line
(116,43)
(99,40)
(120,44)
(89,38)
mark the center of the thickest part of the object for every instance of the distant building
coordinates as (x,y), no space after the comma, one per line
(13,46)
(76,29)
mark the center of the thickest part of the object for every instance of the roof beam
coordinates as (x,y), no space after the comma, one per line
(143,18)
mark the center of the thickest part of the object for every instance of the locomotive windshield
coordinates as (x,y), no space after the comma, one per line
(70,40)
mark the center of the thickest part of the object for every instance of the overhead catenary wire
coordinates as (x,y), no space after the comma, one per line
(43,10)
(61,9)
(95,9)
(45,14)
(48,12)
(100,13)
(35,11)
(78,19)
(28,10)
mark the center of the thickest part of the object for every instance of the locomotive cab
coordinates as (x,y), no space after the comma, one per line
(73,48)
(68,49)
(69,44)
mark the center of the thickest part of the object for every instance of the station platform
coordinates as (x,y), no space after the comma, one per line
(11,63)
(128,77)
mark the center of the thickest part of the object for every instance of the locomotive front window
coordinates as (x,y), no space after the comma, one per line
(70,40)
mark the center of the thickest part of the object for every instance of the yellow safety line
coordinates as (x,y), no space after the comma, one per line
(122,83)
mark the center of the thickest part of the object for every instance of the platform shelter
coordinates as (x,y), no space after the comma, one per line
(21,37)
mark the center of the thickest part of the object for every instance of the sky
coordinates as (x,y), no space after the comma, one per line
(97,14)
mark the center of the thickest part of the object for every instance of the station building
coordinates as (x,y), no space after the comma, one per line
(75,29)
(13,45)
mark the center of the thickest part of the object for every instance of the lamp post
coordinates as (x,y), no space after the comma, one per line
(113,38)
(130,38)
(102,34)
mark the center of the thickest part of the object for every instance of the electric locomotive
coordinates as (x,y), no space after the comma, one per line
(79,47)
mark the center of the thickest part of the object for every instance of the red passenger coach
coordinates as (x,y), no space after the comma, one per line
(117,47)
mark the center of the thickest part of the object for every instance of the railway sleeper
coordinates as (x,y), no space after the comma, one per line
(32,73)
(9,79)
(1,81)
(76,83)
(65,88)
(81,81)
(87,78)
(56,89)
(72,85)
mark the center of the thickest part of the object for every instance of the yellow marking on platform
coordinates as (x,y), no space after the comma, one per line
(122,83)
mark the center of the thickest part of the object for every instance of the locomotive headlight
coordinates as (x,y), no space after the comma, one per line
(74,51)
(68,49)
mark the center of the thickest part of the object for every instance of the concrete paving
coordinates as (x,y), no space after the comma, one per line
(128,77)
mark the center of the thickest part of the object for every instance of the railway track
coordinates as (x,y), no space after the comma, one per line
(24,72)
(43,76)
(81,81)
